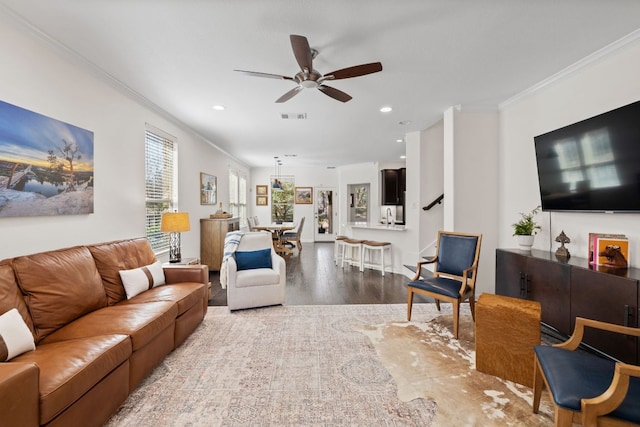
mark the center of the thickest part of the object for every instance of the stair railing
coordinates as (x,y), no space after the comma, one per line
(437,201)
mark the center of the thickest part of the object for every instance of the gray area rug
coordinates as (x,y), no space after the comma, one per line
(322,366)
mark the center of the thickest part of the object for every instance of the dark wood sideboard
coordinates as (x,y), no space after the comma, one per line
(572,288)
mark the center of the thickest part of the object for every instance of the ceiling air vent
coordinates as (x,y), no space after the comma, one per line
(293,116)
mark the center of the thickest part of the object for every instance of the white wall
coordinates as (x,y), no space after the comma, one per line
(432,186)
(607,83)
(470,152)
(317,177)
(36,76)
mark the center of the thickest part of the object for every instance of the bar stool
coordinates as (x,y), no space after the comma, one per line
(338,249)
(368,255)
(352,253)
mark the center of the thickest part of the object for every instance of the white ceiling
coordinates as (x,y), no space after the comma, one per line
(180,55)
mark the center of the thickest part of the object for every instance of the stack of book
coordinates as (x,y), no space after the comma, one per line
(611,250)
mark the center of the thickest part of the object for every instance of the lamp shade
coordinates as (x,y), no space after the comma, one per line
(175,222)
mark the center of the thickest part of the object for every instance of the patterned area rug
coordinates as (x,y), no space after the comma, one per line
(323,366)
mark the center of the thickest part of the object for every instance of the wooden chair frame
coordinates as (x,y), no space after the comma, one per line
(467,282)
(593,411)
(289,240)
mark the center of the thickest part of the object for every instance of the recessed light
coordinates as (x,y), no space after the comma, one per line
(386,109)
(399,140)
(403,157)
(218,107)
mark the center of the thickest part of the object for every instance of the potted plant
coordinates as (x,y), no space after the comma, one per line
(526,229)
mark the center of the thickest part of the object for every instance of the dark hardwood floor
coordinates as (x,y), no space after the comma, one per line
(313,279)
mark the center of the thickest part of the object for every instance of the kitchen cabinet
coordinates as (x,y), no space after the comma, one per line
(393,185)
(570,288)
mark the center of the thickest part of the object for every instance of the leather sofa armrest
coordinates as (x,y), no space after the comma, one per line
(19,394)
(187,273)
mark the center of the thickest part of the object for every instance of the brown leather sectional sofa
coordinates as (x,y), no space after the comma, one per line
(93,345)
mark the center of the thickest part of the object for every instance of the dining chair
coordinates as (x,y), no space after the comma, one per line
(294,236)
(454,273)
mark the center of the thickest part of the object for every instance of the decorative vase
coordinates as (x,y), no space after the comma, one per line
(525,242)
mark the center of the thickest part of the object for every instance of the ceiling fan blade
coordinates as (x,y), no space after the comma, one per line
(355,71)
(302,52)
(287,96)
(334,93)
(270,76)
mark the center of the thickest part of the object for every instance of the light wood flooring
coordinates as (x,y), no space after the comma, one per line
(314,279)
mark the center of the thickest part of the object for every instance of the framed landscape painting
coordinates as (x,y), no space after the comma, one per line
(303,195)
(46,166)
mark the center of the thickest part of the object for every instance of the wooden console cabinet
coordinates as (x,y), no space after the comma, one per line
(212,234)
(570,288)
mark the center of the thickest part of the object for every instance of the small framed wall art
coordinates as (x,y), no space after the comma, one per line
(304,195)
(261,200)
(208,189)
(261,190)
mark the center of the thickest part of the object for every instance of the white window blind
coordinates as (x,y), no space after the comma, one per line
(242,199)
(160,176)
(238,195)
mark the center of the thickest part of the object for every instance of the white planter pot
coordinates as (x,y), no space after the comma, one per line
(525,242)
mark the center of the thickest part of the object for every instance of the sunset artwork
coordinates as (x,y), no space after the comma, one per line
(46,166)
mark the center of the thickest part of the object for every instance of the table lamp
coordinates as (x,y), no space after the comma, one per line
(174,223)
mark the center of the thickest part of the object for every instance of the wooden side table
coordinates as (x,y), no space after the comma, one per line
(183,262)
(507,329)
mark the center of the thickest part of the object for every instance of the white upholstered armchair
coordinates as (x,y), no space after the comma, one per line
(256,275)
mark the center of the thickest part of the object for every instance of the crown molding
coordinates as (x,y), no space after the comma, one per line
(578,66)
(72,56)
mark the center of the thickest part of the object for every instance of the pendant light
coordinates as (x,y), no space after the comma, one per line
(277,184)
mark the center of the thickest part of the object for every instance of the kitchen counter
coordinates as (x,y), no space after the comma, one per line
(382,227)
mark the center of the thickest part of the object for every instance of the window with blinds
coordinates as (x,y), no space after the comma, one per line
(238,195)
(160,177)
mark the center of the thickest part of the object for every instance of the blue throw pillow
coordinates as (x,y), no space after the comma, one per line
(253,259)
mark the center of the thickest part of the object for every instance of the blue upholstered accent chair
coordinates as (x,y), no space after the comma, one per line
(454,274)
(588,389)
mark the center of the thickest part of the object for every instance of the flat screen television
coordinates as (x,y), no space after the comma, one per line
(592,165)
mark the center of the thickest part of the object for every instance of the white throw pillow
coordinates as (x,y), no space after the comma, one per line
(15,336)
(138,280)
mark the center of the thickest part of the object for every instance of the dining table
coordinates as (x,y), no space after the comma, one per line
(277,229)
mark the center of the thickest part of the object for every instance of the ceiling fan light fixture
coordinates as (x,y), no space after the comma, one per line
(308,78)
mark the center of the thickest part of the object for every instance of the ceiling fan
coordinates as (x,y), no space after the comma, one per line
(310,78)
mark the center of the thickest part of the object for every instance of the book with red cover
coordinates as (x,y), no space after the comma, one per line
(593,243)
